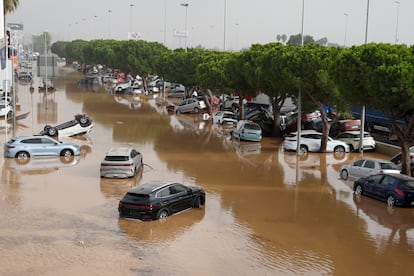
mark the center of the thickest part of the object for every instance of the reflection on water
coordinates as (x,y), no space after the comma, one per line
(267,212)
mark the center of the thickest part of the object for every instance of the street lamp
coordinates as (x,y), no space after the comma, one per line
(299,122)
(109,12)
(130,17)
(185,35)
(346,27)
(224,28)
(396,26)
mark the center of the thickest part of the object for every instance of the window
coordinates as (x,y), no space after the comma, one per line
(359,163)
(164,192)
(369,164)
(387,180)
(179,188)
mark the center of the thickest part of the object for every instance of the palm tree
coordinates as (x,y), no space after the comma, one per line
(10,5)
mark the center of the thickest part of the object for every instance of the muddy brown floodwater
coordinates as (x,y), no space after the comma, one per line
(266,212)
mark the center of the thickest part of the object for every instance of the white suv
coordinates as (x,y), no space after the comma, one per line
(121,162)
(310,141)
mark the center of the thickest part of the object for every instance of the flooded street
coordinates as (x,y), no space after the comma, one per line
(265,213)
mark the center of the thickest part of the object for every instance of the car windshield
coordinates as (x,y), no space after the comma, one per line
(408,185)
(388,166)
(116,158)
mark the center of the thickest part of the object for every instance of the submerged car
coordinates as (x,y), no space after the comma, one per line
(310,141)
(367,166)
(246,130)
(190,105)
(352,138)
(395,189)
(157,200)
(121,162)
(80,125)
(24,147)
(224,117)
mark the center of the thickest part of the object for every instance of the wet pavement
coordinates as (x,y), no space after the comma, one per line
(267,212)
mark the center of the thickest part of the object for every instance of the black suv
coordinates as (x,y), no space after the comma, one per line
(157,200)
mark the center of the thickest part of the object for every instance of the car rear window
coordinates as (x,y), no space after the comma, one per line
(252,126)
(137,198)
(116,158)
(388,166)
(408,185)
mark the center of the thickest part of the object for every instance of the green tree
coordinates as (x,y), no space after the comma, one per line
(381,76)
(10,6)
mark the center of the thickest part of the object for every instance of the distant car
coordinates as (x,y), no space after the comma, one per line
(188,105)
(367,166)
(397,159)
(121,162)
(246,130)
(123,86)
(224,117)
(394,189)
(352,138)
(24,75)
(176,93)
(80,125)
(24,147)
(157,200)
(6,110)
(310,141)
(344,125)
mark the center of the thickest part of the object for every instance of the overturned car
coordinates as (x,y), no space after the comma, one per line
(80,125)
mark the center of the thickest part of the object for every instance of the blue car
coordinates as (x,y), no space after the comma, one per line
(247,130)
(395,189)
(24,147)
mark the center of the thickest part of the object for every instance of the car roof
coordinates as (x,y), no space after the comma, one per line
(402,177)
(119,150)
(374,159)
(149,187)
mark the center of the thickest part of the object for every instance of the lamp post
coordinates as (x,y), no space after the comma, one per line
(346,28)
(299,121)
(185,35)
(130,17)
(396,25)
(109,12)
(224,26)
(165,22)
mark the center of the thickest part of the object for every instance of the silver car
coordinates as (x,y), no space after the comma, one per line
(190,105)
(121,162)
(352,138)
(24,147)
(367,166)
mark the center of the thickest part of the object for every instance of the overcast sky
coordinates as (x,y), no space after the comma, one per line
(246,22)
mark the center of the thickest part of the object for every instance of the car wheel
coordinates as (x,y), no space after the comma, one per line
(358,190)
(344,174)
(66,153)
(303,149)
(162,214)
(390,201)
(197,202)
(46,128)
(84,121)
(196,110)
(52,131)
(22,157)
(339,149)
(10,114)
(119,89)
(178,111)
(66,159)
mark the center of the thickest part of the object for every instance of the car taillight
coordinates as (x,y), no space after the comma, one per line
(113,165)
(10,146)
(399,192)
(242,131)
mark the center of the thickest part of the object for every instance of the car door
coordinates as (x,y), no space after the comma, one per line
(355,169)
(368,168)
(381,189)
(182,198)
(370,184)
